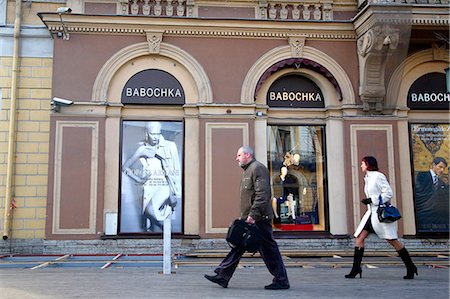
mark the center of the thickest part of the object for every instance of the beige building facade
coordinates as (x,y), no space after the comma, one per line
(313,87)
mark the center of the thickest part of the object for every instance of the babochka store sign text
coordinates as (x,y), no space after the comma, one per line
(429,93)
(295,91)
(153,87)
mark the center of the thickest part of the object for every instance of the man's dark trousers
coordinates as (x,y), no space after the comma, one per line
(269,252)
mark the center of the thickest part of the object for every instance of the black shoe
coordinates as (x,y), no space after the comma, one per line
(217,279)
(354,272)
(411,270)
(277,286)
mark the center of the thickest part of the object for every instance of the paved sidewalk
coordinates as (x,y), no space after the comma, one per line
(248,282)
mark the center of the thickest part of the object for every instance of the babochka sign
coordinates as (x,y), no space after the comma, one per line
(429,93)
(153,87)
(295,91)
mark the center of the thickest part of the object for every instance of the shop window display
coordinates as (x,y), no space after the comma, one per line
(297,168)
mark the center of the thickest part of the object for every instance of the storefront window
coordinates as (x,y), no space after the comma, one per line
(296,163)
(430,152)
(151,184)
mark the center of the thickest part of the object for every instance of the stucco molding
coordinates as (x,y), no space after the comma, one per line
(245,28)
(355,162)
(113,65)
(209,164)
(285,52)
(399,14)
(410,70)
(58,170)
(297,44)
(374,47)
(154,40)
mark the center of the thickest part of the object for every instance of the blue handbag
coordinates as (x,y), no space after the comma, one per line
(387,213)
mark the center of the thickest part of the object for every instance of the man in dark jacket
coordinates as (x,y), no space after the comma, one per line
(256,207)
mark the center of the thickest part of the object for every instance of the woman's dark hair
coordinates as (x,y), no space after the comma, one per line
(371,163)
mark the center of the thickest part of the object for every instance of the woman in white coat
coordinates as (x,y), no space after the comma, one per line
(376,184)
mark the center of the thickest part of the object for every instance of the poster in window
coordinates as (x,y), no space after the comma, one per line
(430,152)
(151,176)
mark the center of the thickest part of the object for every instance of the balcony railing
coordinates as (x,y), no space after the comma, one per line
(169,8)
(271,10)
(314,10)
(364,2)
(304,10)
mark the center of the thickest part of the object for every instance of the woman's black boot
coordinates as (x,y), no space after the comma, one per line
(411,269)
(357,258)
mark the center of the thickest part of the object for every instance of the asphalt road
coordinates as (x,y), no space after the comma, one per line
(385,281)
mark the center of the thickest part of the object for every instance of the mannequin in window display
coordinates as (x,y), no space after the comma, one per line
(160,177)
(285,206)
(303,209)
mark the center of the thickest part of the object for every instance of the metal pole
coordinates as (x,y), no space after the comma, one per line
(167,239)
(12,121)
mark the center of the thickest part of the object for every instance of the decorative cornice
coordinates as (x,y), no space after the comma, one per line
(135,25)
(254,34)
(398,14)
(206,33)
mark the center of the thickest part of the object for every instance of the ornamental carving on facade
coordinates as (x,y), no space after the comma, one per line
(169,8)
(297,44)
(374,47)
(154,40)
(303,10)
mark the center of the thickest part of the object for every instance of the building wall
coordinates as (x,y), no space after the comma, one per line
(48,202)
(30,181)
(31,150)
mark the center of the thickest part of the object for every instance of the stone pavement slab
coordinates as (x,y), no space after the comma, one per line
(248,282)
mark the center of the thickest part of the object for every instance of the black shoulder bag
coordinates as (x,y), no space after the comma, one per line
(244,235)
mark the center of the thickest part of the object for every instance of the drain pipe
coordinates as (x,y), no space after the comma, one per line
(12,122)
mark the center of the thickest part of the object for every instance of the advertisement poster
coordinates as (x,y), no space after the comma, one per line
(151,176)
(430,152)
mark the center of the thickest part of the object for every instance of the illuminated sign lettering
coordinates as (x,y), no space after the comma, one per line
(153,87)
(429,93)
(295,91)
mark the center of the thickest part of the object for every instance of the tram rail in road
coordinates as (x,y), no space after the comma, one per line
(292,258)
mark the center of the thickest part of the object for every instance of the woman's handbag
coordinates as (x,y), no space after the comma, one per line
(244,235)
(387,213)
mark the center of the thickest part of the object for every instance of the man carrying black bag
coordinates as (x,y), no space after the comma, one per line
(256,207)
